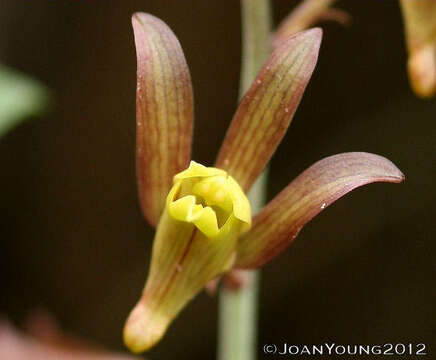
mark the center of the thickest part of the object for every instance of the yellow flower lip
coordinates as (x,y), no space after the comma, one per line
(197,170)
(207,197)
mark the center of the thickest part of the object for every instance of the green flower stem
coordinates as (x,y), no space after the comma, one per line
(237,323)
(256,39)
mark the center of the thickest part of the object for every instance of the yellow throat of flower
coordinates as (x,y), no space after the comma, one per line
(209,198)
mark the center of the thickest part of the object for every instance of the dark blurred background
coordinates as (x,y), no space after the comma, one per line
(75,243)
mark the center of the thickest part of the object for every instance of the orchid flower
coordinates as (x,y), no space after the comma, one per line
(420,25)
(202,216)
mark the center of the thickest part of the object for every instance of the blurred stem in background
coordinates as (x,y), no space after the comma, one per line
(237,323)
(20,98)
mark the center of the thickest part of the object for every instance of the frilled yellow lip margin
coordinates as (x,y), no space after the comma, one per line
(207,197)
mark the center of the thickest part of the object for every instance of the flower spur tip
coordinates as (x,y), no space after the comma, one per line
(143,329)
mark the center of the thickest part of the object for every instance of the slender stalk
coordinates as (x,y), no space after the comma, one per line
(256,39)
(237,323)
(306,14)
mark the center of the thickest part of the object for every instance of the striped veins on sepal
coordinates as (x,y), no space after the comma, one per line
(203,217)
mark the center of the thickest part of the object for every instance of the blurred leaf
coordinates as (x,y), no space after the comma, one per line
(20,98)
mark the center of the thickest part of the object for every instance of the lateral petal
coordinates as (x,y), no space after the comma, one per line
(278,224)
